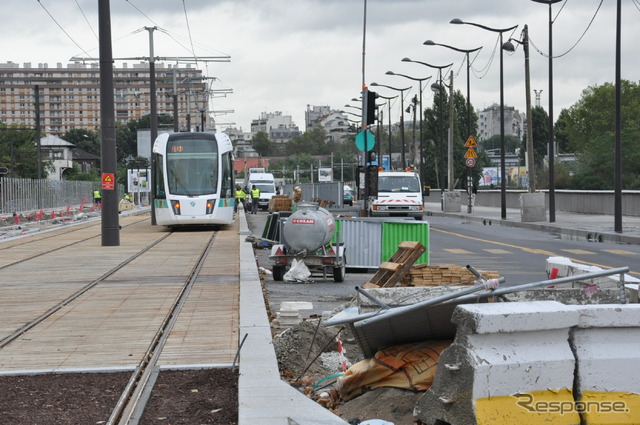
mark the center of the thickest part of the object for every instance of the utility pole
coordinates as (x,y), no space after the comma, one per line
(38,143)
(110,225)
(527,85)
(451,122)
(153,121)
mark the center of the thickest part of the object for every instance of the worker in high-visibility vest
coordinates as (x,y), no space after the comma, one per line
(240,197)
(97,198)
(255,195)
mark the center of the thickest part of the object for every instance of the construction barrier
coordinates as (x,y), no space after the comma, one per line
(538,362)
(606,344)
(505,358)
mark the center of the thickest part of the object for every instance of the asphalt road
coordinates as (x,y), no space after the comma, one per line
(519,255)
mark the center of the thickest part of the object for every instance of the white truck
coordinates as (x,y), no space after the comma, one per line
(399,195)
(265,182)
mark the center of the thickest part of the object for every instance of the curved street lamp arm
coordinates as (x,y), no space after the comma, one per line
(432,43)
(389,87)
(428,64)
(406,76)
(460,21)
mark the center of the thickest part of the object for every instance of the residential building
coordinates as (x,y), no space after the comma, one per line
(334,122)
(279,127)
(489,122)
(69,96)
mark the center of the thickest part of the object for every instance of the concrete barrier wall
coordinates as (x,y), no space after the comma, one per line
(580,201)
(499,351)
(538,362)
(606,344)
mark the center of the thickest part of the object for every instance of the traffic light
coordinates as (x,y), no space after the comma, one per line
(371,106)
(372,179)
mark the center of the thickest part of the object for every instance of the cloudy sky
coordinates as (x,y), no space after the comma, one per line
(287,54)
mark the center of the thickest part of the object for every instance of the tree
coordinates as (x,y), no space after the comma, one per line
(594,114)
(589,129)
(432,144)
(560,131)
(83,139)
(19,154)
(261,143)
(540,127)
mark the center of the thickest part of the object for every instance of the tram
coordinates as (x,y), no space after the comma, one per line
(194,179)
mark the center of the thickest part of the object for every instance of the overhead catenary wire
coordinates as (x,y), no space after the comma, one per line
(61,28)
(86,20)
(576,43)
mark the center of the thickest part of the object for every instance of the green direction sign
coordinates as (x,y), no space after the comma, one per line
(371,141)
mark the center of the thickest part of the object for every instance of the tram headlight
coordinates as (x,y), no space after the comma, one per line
(210,205)
(176,207)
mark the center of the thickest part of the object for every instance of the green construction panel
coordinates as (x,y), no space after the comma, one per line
(338,232)
(394,233)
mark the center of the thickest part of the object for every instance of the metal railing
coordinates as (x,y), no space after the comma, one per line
(19,195)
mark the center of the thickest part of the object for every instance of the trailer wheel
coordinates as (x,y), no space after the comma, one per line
(339,272)
(278,273)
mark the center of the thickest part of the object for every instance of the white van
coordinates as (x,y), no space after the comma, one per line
(399,194)
(265,182)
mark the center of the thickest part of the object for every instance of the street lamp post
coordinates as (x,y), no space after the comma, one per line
(503,182)
(552,190)
(404,165)
(389,98)
(419,80)
(438,84)
(466,52)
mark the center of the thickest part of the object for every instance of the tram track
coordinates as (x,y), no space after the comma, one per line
(30,325)
(130,406)
(56,235)
(124,313)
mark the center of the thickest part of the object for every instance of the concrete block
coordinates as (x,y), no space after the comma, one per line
(532,207)
(452,202)
(402,296)
(606,345)
(569,296)
(505,358)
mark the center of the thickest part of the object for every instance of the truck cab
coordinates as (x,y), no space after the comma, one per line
(399,195)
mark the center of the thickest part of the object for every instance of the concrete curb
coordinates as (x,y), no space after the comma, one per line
(263,398)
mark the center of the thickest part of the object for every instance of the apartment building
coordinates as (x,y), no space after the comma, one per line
(280,128)
(70,95)
(489,122)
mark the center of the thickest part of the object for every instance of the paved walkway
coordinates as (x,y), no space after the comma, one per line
(574,226)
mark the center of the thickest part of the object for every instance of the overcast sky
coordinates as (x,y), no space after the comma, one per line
(287,54)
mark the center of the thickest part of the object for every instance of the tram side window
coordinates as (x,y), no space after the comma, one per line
(160,190)
(227,176)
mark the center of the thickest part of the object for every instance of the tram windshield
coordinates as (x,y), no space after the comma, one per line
(192,167)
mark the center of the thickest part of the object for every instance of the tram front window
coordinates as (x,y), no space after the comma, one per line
(192,168)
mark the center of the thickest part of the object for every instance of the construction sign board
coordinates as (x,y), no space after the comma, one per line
(108,181)
(470,153)
(471,143)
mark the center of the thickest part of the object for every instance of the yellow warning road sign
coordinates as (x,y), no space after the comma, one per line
(471,143)
(470,153)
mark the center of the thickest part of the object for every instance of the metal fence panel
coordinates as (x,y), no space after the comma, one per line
(362,240)
(20,195)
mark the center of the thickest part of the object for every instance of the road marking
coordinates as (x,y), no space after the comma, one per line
(579,251)
(458,251)
(620,252)
(525,249)
(498,251)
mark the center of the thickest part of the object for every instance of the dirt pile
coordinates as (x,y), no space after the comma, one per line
(308,359)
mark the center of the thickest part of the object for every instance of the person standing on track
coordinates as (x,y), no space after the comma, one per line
(97,198)
(255,195)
